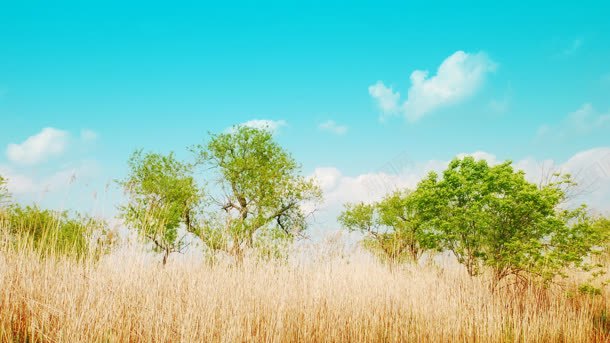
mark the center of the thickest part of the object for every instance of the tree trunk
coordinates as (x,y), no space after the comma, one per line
(238,253)
(240,257)
(165,256)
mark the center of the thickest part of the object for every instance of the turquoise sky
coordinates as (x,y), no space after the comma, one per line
(533,80)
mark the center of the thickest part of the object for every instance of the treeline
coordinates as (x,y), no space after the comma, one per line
(241,191)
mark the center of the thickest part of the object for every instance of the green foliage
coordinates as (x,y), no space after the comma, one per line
(360,217)
(4,194)
(589,289)
(51,232)
(394,228)
(602,321)
(272,244)
(263,192)
(491,216)
(163,195)
(602,226)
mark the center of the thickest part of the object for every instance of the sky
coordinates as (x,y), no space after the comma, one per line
(367,96)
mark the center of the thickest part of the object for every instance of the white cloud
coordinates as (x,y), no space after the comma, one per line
(586,119)
(333,127)
(582,121)
(339,188)
(263,124)
(18,183)
(47,143)
(480,155)
(386,98)
(26,183)
(87,135)
(458,77)
(591,169)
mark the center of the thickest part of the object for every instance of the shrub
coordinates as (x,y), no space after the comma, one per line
(51,232)
(4,195)
(393,227)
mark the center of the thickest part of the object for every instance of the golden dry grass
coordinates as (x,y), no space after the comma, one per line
(127,297)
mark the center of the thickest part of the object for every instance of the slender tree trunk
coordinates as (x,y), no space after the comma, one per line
(240,257)
(165,256)
(238,253)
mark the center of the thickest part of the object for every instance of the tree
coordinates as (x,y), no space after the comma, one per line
(393,227)
(262,192)
(163,196)
(491,216)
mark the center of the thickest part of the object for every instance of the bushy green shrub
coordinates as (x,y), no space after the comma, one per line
(50,232)
(4,195)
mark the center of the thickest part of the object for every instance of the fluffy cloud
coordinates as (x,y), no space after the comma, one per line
(586,119)
(26,183)
(458,77)
(47,143)
(339,188)
(582,121)
(386,98)
(332,127)
(263,124)
(48,184)
(18,183)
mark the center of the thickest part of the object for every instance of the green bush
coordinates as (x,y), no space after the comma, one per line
(50,232)
(4,195)
(393,227)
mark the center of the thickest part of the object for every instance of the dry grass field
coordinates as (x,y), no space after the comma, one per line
(129,297)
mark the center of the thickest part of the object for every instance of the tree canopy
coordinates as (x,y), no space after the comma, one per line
(393,226)
(262,191)
(163,195)
(491,216)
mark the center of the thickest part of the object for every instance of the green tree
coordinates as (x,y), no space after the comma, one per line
(163,196)
(393,227)
(262,192)
(491,216)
